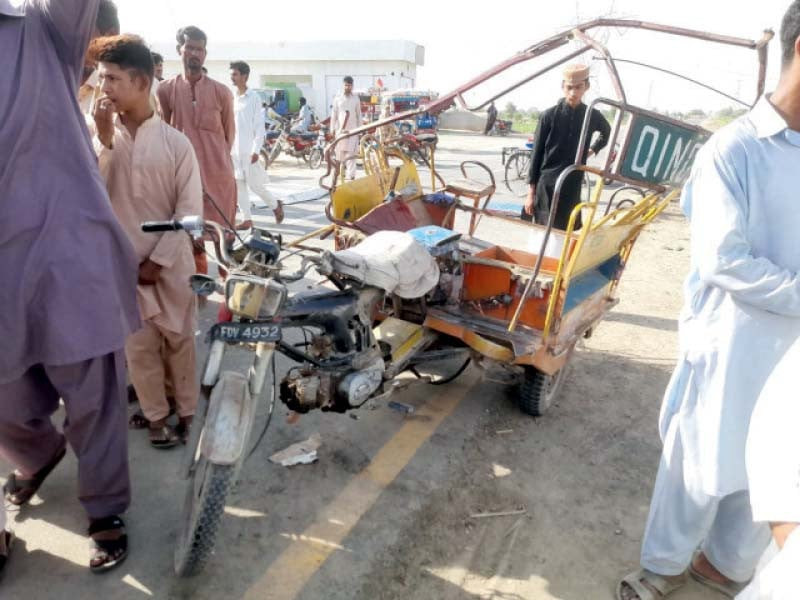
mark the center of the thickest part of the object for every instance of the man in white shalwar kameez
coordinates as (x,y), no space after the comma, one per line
(346,115)
(250,131)
(773,470)
(742,313)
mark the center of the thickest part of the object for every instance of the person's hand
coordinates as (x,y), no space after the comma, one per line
(104,121)
(530,199)
(590,153)
(149,272)
(253,159)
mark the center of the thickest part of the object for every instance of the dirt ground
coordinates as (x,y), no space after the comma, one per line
(387,511)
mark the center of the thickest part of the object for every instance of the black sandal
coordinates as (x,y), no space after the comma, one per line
(107,554)
(19,491)
(163,437)
(8,538)
(138,421)
(184,428)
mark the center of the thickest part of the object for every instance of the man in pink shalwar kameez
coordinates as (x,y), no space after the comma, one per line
(152,175)
(202,109)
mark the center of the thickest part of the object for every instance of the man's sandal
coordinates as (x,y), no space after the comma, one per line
(19,491)
(729,590)
(138,421)
(163,437)
(107,554)
(8,538)
(648,585)
(184,428)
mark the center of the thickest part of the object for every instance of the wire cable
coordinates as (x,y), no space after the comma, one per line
(271,410)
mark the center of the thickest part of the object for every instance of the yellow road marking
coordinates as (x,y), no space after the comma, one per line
(287,576)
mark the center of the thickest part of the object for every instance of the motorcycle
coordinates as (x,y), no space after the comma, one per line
(299,145)
(501,127)
(343,361)
(418,145)
(324,137)
(274,129)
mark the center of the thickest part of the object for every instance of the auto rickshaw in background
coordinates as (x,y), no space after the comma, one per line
(406,101)
(370,104)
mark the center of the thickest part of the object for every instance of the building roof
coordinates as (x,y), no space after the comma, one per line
(331,50)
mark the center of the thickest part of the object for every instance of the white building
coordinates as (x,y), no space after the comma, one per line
(317,68)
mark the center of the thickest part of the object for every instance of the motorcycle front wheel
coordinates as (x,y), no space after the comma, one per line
(275,152)
(204,504)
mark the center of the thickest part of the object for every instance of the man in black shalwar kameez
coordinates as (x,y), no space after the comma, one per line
(555,147)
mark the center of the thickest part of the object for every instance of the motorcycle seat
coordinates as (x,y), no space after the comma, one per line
(306,136)
(272,135)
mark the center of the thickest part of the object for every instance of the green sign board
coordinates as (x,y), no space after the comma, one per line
(660,152)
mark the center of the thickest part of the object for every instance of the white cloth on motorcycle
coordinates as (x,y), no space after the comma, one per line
(392,261)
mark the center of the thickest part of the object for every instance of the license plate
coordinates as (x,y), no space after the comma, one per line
(245,332)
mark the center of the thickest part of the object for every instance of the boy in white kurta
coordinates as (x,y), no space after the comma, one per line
(152,174)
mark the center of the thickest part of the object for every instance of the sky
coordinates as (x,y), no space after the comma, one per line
(461,41)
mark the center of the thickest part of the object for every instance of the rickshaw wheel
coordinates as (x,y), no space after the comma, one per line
(539,390)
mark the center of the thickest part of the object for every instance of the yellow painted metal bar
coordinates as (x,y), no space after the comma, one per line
(641,208)
(319,232)
(660,207)
(556,291)
(433,169)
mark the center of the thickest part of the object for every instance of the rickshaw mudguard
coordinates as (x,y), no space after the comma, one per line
(231,413)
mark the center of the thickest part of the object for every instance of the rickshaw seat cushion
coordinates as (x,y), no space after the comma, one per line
(389,216)
(392,261)
(470,188)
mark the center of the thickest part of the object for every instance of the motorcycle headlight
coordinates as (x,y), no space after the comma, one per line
(253,297)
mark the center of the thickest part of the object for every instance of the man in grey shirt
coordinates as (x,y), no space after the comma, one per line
(68,281)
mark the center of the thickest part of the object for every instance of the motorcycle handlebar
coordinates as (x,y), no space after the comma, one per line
(157,226)
(191,224)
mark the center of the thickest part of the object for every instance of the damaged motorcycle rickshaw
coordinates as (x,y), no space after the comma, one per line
(420,277)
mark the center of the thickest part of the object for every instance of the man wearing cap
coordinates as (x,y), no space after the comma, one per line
(555,147)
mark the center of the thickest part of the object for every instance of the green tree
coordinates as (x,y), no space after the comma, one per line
(510,110)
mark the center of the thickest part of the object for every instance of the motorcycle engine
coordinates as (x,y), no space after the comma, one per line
(310,387)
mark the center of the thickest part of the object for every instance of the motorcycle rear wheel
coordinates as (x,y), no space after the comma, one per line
(315,158)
